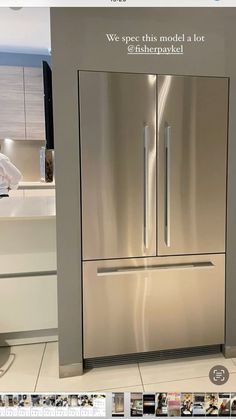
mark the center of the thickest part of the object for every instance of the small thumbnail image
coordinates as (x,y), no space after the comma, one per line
(136,404)
(48,400)
(117,404)
(11,400)
(61,400)
(186,404)
(233,404)
(174,404)
(161,404)
(99,404)
(36,400)
(212,404)
(2,400)
(73,400)
(149,404)
(24,400)
(224,404)
(86,400)
(199,404)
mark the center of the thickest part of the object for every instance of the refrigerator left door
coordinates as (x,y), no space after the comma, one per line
(118,160)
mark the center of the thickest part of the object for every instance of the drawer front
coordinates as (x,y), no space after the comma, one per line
(39,192)
(28,303)
(140,305)
(28,246)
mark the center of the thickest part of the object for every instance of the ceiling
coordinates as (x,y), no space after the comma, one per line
(25,31)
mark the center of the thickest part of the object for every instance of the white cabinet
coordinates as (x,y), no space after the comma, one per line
(21,103)
(12,115)
(39,192)
(19,193)
(28,303)
(28,280)
(34,103)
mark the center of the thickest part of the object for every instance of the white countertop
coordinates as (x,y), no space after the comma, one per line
(28,207)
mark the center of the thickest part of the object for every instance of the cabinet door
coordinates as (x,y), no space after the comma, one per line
(28,303)
(118,143)
(34,103)
(141,305)
(12,114)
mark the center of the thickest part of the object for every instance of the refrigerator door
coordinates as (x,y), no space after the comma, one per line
(118,153)
(140,305)
(192,155)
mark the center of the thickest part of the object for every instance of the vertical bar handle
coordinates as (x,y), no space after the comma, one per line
(146,183)
(167,183)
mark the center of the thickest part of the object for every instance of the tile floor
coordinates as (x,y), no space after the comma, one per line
(36,369)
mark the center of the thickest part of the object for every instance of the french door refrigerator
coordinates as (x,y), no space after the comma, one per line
(153,176)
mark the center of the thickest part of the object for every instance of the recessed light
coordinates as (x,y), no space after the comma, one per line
(16,8)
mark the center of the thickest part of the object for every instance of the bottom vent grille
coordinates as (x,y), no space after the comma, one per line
(150,356)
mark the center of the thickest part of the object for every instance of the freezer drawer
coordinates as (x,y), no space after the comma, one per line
(192,155)
(139,305)
(118,160)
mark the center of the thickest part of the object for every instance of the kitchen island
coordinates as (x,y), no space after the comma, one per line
(28,310)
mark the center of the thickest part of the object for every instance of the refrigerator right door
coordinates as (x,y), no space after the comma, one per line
(191,164)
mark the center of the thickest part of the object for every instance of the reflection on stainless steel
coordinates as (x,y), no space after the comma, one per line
(115,109)
(196,110)
(163,89)
(153,309)
(152,80)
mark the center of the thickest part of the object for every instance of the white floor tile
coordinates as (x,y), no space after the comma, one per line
(202,384)
(95,379)
(184,368)
(23,373)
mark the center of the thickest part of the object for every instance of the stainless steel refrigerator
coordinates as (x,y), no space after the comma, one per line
(153,178)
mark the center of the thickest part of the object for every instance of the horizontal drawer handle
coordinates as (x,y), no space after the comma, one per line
(143,269)
(27,274)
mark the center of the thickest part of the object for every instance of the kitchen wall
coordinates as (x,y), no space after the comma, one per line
(25,60)
(82,44)
(25,156)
